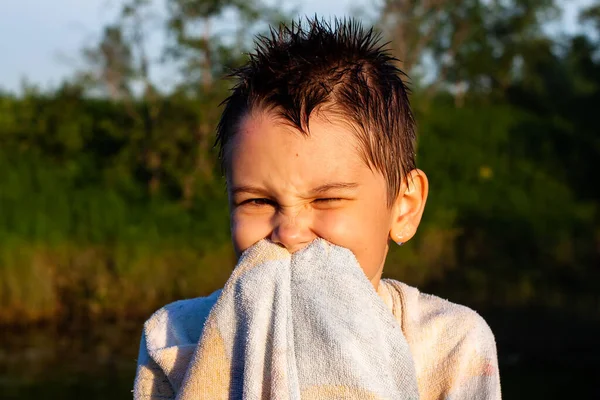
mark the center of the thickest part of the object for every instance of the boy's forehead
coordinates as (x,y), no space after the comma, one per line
(326,134)
(266,145)
(324,129)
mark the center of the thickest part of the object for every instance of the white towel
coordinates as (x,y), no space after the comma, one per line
(310,325)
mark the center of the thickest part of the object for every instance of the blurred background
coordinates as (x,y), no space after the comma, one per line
(112,205)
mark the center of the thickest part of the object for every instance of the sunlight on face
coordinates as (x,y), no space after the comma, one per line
(291,188)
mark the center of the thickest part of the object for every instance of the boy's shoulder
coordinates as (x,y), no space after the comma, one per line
(168,341)
(454,349)
(431,307)
(436,315)
(179,323)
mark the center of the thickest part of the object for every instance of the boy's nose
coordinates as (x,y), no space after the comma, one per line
(292,232)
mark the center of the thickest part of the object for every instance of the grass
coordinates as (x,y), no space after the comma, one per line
(71,251)
(68,282)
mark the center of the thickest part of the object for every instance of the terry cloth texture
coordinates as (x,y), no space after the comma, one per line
(311,326)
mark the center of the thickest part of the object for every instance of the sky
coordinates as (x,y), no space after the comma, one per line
(41,40)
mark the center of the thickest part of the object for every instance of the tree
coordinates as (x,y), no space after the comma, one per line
(121,66)
(471,44)
(112,64)
(591,16)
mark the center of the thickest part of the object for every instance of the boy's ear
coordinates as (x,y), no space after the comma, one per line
(408,208)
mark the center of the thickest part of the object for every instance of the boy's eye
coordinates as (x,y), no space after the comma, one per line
(258,202)
(328,200)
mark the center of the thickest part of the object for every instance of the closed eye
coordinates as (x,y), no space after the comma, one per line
(258,202)
(327,200)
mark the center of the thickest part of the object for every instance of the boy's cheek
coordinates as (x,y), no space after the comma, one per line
(336,224)
(245,232)
(338,229)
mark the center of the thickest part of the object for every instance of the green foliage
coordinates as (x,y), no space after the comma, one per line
(504,226)
(80,230)
(111,202)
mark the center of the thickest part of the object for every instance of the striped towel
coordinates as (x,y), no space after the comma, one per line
(310,325)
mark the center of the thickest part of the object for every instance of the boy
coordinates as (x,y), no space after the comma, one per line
(317,143)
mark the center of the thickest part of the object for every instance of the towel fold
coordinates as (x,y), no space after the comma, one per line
(311,326)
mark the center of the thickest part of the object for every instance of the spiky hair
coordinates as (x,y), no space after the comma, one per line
(340,68)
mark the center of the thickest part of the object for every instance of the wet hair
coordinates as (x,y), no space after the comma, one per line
(339,68)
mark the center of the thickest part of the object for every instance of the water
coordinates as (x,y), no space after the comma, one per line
(91,362)
(540,358)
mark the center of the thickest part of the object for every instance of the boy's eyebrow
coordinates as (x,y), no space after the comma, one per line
(249,189)
(315,191)
(333,186)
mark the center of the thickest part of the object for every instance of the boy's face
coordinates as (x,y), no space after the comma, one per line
(291,188)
